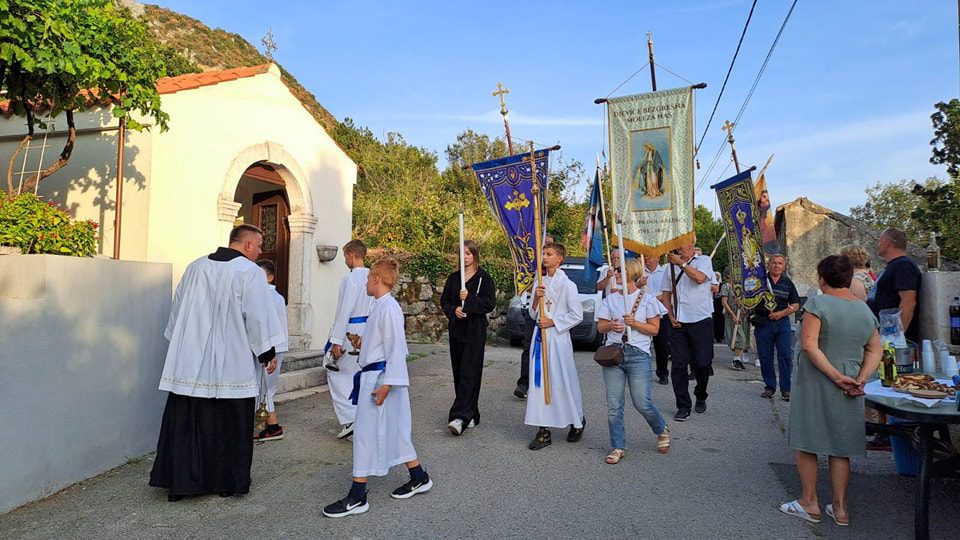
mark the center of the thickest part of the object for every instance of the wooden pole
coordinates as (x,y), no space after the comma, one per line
(653,65)
(118,214)
(537,231)
(623,273)
(603,211)
(501,91)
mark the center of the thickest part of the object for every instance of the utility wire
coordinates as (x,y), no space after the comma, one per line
(749,96)
(727,78)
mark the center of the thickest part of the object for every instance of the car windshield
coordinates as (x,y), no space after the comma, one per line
(585,284)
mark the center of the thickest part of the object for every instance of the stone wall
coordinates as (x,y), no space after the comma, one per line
(810,232)
(420,299)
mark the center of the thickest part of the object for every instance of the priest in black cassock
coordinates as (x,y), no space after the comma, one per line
(222,327)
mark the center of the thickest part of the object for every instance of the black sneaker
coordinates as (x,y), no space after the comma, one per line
(682,415)
(346,506)
(268,434)
(737,365)
(785,395)
(700,407)
(576,434)
(542,440)
(413,487)
(664,380)
(520,393)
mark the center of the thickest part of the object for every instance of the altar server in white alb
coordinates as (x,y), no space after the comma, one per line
(353,307)
(273,430)
(222,312)
(562,312)
(382,435)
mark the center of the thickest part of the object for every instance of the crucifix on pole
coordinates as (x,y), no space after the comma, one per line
(728,127)
(501,91)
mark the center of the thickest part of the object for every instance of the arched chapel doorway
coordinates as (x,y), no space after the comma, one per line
(264,202)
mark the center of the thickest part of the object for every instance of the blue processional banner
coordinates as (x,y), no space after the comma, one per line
(741,220)
(592,239)
(507,184)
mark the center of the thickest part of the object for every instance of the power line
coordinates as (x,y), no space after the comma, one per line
(729,70)
(753,88)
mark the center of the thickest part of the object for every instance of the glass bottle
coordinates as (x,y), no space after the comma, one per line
(933,254)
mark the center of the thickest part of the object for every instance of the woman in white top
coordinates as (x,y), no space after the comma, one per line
(636,370)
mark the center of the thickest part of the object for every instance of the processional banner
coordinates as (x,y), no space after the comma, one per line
(741,220)
(651,161)
(768,235)
(507,184)
(592,239)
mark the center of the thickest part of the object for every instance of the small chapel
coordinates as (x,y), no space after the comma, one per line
(240,148)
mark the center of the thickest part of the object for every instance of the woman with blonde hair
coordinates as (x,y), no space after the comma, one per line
(862,280)
(643,318)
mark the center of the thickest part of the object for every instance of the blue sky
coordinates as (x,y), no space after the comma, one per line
(845,101)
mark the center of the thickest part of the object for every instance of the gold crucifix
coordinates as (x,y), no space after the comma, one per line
(728,127)
(549,304)
(501,91)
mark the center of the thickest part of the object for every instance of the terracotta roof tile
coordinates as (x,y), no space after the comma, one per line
(169,85)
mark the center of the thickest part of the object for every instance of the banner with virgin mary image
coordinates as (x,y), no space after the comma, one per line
(651,162)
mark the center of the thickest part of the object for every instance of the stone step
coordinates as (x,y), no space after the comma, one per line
(298,360)
(300,379)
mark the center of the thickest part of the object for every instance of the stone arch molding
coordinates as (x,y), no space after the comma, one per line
(302,226)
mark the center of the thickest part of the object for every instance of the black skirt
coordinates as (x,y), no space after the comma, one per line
(205,446)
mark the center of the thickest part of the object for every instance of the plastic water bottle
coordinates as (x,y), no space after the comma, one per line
(929,358)
(955,321)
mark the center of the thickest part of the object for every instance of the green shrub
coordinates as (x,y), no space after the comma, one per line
(36,226)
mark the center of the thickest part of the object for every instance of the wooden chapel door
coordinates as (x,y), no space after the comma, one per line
(270,212)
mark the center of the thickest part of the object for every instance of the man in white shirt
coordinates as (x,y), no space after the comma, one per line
(691,318)
(222,323)
(653,276)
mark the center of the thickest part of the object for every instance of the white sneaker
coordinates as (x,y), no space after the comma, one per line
(757,363)
(346,431)
(456,426)
(472,424)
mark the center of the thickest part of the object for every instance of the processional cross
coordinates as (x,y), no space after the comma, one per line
(728,127)
(501,91)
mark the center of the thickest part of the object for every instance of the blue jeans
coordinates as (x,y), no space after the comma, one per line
(775,335)
(638,373)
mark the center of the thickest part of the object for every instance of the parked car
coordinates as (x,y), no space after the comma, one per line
(584,333)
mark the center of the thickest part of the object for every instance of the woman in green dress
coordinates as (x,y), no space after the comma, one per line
(840,350)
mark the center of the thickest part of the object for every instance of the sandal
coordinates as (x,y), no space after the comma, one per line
(663,442)
(830,513)
(793,508)
(614,457)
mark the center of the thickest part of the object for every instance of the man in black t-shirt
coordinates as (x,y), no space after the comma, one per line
(773,330)
(899,284)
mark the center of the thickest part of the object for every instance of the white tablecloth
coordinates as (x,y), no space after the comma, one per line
(874,388)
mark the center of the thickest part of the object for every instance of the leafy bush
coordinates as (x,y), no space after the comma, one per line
(35,226)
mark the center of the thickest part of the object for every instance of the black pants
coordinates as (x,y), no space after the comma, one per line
(528,327)
(466,359)
(205,446)
(691,344)
(661,344)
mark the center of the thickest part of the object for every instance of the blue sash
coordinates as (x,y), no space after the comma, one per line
(376,366)
(536,353)
(357,320)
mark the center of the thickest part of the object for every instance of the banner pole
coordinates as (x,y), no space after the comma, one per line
(537,231)
(623,273)
(463,272)
(603,211)
(728,127)
(653,66)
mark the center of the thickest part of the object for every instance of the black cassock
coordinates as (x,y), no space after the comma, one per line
(467,339)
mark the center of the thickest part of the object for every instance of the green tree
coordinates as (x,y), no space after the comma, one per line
(894,205)
(939,212)
(946,136)
(58,55)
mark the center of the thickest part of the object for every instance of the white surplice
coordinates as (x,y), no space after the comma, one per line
(222,312)
(353,301)
(280,305)
(562,305)
(383,436)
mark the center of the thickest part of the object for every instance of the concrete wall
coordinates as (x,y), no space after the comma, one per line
(81,356)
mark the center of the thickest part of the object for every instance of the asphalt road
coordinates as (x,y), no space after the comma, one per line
(724,477)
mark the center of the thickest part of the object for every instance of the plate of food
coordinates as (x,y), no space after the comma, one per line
(928,394)
(921,382)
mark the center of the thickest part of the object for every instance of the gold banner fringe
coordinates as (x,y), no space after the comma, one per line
(655,251)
